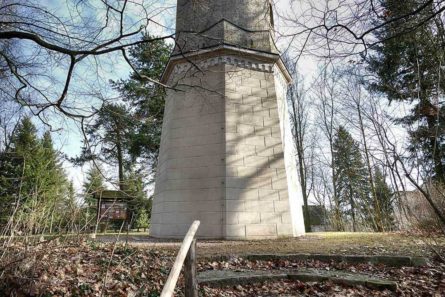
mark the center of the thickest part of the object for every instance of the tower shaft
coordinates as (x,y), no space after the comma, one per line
(226,155)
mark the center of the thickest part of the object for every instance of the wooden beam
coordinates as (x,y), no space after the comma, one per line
(172,279)
(191,282)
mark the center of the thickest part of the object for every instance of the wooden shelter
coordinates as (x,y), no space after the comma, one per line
(113,206)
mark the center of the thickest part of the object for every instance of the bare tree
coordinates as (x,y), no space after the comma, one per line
(345,28)
(299,113)
(325,95)
(55,48)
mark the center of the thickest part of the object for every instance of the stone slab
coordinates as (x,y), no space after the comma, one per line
(221,278)
(392,261)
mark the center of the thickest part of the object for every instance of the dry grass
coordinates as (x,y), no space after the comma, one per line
(360,243)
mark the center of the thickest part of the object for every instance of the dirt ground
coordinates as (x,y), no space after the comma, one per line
(347,243)
(83,267)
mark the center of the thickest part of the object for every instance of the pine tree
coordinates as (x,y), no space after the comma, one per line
(139,202)
(408,68)
(93,185)
(37,182)
(145,98)
(142,219)
(110,132)
(54,183)
(129,133)
(351,174)
(384,198)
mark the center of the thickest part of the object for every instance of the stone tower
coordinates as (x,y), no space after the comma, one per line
(226,156)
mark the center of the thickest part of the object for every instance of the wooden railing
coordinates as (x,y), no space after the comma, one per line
(186,253)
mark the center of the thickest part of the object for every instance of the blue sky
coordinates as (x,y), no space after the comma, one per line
(67,137)
(112,66)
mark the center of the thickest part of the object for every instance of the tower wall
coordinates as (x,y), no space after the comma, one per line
(222,157)
(191,168)
(203,24)
(227,157)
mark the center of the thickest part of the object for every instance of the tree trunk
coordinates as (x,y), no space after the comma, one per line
(377,215)
(351,201)
(120,161)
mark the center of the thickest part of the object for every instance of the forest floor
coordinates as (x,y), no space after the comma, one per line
(345,243)
(86,268)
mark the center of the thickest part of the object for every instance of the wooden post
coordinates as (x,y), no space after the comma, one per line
(170,284)
(191,283)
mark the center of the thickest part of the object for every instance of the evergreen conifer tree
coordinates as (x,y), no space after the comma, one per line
(409,64)
(36,181)
(93,185)
(384,199)
(352,182)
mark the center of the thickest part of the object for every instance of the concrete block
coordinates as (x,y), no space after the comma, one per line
(263,205)
(271,91)
(244,109)
(254,140)
(261,230)
(251,100)
(245,90)
(264,194)
(210,231)
(233,94)
(231,171)
(236,231)
(249,218)
(273,113)
(183,218)
(266,131)
(251,81)
(233,137)
(234,205)
(284,230)
(284,195)
(245,130)
(267,172)
(234,160)
(232,117)
(244,171)
(249,183)
(256,161)
(155,229)
(272,141)
(265,83)
(231,218)
(230,127)
(241,194)
(211,218)
(281,206)
(268,102)
(286,218)
(278,150)
(264,151)
(271,122)
(276,162)
(259,92)
(279,184)
(270,218)
(252,119)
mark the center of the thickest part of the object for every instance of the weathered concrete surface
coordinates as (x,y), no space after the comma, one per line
(220,278)
(203,24)
(227,156)
(392,261)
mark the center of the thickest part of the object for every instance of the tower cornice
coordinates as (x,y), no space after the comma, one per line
(226,54)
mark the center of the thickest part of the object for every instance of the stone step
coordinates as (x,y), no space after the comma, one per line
(221,278)
(392,261)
